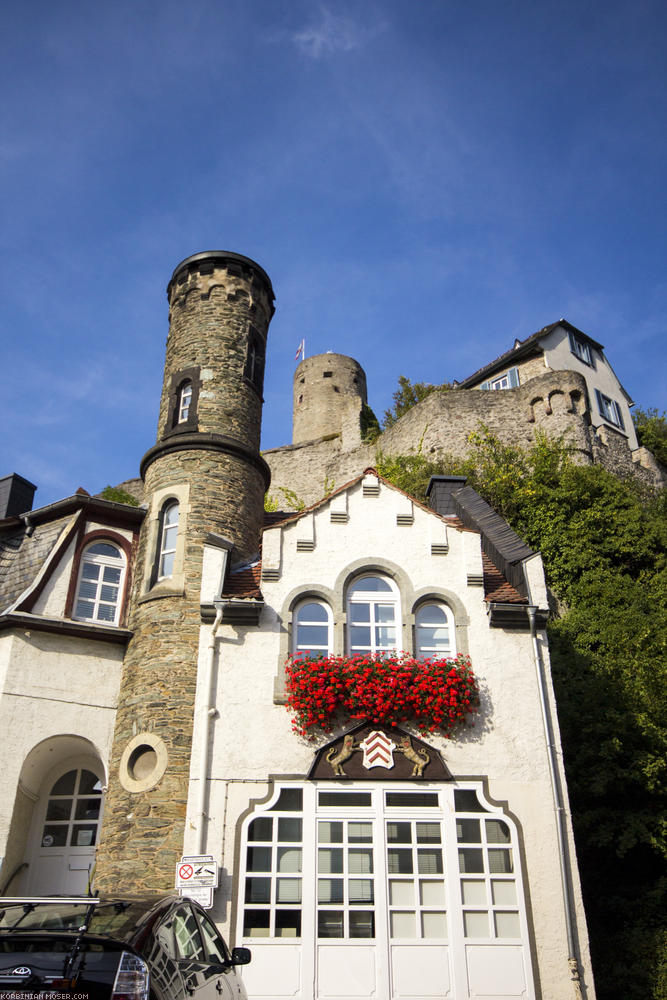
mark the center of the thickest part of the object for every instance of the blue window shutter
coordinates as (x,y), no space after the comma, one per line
(484,385)
(619,415)
(599,402)
(513,374)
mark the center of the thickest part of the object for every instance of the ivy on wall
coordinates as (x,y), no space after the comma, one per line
(604,545)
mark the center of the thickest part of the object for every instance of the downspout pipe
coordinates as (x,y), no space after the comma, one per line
(568,903)
(207,712)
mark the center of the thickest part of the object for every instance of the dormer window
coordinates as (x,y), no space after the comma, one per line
(99,589)
(184,401)
(581,349)
(168,536)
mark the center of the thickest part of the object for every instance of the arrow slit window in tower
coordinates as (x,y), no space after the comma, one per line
(254,366)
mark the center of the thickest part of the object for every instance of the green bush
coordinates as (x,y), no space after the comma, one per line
(603,542)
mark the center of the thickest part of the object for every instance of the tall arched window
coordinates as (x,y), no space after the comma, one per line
(373,615)
(168,535)
(434,630)
(312,630)
(184,401)
(99,590)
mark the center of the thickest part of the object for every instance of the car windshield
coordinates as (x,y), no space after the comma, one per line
(114,918)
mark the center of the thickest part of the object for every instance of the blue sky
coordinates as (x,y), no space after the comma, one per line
(423,181)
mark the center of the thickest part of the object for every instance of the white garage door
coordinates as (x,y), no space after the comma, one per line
(383,891)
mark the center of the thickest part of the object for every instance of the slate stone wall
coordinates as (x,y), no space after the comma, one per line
(217,308)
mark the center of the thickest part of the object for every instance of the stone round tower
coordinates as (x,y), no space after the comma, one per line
(204,478)
(324,387)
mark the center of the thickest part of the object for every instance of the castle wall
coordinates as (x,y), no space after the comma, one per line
(440,425)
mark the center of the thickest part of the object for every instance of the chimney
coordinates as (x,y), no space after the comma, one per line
(16,495)
(440,492)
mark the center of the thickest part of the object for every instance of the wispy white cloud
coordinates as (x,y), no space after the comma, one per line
(334,32)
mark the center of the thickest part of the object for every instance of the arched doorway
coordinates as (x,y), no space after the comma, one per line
(56,819)
(65,830)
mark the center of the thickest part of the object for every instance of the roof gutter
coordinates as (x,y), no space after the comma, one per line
(123,512)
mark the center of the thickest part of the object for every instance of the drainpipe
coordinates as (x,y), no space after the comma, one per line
(29,526)
(208,711)
(558,807)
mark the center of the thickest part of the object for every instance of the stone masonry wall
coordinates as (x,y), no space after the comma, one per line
(323,385)
(219,308)
(529,368)
(554,402)
(211,315)
(441,425)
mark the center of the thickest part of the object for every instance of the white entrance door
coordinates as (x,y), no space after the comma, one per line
(383,891)
(64,843)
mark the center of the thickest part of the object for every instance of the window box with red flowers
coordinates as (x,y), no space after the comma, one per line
(435,695)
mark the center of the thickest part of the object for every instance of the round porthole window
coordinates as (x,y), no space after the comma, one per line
(143,763)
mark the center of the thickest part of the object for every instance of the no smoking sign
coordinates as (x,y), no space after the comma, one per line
(197,872)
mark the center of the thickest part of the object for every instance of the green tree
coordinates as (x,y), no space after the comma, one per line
(604,542)
(651,428)
(408,395)
(369,425)
(117,495)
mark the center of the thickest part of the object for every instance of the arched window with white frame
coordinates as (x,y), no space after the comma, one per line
(184,401)
(312,630)
(373,615)
(99,588)
(435,633)
(168,536)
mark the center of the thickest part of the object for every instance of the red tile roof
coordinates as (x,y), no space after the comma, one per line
(496,587)
(244,581)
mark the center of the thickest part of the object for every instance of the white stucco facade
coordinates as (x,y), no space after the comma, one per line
(252,747)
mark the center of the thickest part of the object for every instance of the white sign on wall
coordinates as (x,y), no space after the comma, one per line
(202,896)
(198,871)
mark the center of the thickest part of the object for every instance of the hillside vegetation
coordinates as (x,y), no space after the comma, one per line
(603,541)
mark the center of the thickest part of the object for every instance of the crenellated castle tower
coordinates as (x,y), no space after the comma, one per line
(204,480)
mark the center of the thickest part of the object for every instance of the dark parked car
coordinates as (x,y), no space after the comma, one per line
(152,948)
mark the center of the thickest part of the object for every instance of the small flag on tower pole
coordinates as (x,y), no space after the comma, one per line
(301,350)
